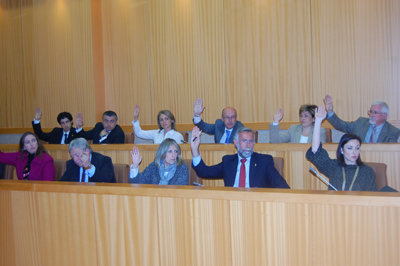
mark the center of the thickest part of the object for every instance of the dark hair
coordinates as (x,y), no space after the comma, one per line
(40,148)
(308,108)
(169,115)
(110,113)
(343,140)
(63,115)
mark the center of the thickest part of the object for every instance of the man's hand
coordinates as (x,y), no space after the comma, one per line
(85,158)
(136,113)
(195,141)
(278,115)
(38,113)
(198,107)
(328,103)
(103,133)
(79,120)
(136,157)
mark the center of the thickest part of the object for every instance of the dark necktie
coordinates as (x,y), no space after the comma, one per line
(65,138)
(242,173)
(372,138)
(83,175)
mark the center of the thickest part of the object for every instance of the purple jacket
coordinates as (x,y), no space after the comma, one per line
(42,168)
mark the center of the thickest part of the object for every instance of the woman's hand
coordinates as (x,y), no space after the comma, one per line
(278,115)
(136,157)
(320,114)
(136,113)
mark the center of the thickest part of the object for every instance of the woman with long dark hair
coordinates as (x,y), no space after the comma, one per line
(32,161)
(347,171)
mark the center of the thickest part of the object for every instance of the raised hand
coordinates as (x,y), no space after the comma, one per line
(38,113)
(79,120)
(195,141)
(136,157)
(198,107)
(328,103)
(278,115)
(320,114)
(136,113)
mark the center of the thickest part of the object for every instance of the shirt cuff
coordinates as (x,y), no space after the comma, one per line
(36,121)
(275,124)
(77,130)
(91,171)
(196,160)
(133,172)
(196,119)
(329,115)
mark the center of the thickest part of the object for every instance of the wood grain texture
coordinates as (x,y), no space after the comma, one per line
(119,224)
(92,55)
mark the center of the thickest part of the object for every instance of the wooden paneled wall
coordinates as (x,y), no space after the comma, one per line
(67,224)
(93,55)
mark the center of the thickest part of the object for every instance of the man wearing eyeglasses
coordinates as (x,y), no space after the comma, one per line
(223,129)
(374,129)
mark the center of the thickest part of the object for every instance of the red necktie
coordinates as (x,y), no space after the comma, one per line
(242,174)
(83,175)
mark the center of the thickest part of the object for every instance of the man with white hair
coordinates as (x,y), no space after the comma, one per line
(86,165)
(374,129)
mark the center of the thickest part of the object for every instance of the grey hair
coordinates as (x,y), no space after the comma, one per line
(79,143)
(384,106)
(243,129)
(162,151)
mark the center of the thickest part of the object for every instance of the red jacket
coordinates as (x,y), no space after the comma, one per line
(42,167)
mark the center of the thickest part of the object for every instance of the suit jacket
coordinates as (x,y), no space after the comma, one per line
(151,175)
(104,170)
(292,135)
(55,136)
(218,129)
(360,128)
(116,136)
(262,171)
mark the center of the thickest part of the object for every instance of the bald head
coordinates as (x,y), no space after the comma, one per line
(229,116)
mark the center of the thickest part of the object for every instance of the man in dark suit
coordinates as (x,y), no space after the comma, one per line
(244,169)
(106,132)
(58,135)
(223,129)
(86,165)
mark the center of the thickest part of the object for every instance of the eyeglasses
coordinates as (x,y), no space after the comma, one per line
(370,112)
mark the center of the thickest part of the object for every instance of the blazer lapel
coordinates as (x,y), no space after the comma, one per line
(231,172)
(252,170)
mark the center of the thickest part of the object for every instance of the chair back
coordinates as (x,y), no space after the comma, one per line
(121,172)
(328,135)
(380,174)
(185,135)
(129,137)
(192,173)
(60,167)
(9,171)
(279,163)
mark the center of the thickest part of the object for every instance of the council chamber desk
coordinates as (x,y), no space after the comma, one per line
(62,223)
(296,166)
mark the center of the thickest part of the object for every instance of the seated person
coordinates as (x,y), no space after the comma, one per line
(223,129)
(58,135)
(347,171)
(166,125)
(244,169)
(167,169)
(106,132)
(32,162)
(86,165)
(371,130)
(297,133)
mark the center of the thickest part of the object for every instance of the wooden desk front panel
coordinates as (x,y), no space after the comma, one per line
(51,223)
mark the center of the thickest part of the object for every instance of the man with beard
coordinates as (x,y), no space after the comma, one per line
(374,129)
(244,169)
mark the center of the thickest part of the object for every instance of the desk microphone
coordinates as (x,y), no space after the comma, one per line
(322,178)
(197,184)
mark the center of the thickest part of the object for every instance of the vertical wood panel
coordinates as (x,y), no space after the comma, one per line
(126,58)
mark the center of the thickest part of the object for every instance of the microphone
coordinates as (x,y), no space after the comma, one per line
(197,184)
(322,178)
